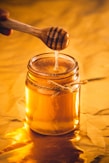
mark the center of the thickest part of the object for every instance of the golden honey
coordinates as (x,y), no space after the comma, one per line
(52,95)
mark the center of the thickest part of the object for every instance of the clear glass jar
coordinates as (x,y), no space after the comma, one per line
(52,96)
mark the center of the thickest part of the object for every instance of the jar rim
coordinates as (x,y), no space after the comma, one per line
(36,70)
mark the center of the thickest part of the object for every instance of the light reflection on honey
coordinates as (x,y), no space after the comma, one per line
(44,117)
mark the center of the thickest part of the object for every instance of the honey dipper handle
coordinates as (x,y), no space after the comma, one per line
(22,27)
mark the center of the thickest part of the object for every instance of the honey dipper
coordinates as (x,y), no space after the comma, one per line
(54,37)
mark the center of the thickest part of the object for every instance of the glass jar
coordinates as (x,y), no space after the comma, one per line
(53,96)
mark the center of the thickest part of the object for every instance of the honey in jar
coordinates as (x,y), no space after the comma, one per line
(52,95)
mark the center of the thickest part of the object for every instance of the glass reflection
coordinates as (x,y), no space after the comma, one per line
(30,147)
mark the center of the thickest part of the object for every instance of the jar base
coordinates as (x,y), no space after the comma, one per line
(53,128)
(55,134)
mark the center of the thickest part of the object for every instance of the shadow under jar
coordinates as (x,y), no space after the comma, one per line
(52,95)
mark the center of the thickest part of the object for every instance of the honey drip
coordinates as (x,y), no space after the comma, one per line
(56,66)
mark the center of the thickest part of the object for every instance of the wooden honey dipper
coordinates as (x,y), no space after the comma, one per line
(54,37)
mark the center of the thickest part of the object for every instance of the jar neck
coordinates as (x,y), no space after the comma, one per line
(44,78)
(66,84)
